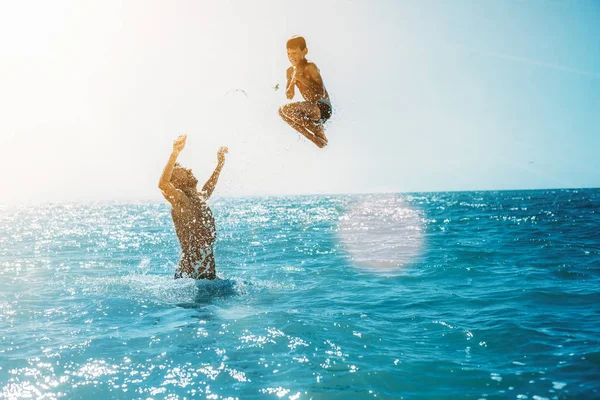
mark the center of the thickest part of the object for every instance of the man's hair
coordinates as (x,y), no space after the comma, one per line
(175,166)
(296,42)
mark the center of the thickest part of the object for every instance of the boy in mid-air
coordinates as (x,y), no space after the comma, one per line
(307,117)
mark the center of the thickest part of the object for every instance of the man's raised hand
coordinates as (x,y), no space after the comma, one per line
(179,143)
(221,154)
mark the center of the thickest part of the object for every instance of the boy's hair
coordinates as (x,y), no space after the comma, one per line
(296,42)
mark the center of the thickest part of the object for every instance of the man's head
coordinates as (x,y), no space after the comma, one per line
(296,49)
(182,178)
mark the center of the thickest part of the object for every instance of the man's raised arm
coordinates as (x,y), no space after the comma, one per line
(164,184)
(209,186)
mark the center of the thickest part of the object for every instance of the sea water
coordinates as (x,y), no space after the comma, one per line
(462,295)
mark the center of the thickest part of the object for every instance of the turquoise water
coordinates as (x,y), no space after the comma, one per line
(418,296)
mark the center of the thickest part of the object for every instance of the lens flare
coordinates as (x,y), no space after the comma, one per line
(382,234)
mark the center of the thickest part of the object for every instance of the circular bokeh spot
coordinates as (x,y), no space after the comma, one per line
(382,233)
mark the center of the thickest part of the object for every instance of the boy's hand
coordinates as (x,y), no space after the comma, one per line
(221,154)
(293,78)
(298,75)
(179,143)
(298,71)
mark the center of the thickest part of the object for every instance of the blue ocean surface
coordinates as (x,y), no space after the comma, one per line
(462,295)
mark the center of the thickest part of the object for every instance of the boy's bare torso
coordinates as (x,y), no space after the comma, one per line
(313,92)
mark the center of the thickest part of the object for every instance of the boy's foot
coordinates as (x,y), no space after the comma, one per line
(320,142)
(319,135)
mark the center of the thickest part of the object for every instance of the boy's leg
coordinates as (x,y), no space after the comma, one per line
(302,109)
(302,116)
(317,129)
(305,132)
(307,114)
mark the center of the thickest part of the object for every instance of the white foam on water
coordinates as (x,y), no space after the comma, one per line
(156,288)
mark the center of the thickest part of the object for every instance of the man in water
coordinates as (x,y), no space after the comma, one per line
(307,117)
(193,220)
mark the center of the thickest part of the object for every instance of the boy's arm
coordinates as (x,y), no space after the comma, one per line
(209,186)
(289,88)
(168,190)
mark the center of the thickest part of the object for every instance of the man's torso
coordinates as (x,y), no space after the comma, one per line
(195,228)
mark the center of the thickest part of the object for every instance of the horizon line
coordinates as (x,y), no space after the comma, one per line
(153,201)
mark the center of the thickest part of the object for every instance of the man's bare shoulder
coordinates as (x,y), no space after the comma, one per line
(203,196)
(289,72)
(177,198)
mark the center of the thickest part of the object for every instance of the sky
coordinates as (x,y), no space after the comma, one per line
(428,96)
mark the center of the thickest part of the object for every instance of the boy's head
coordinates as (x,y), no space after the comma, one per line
(183,178)
(296,49)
